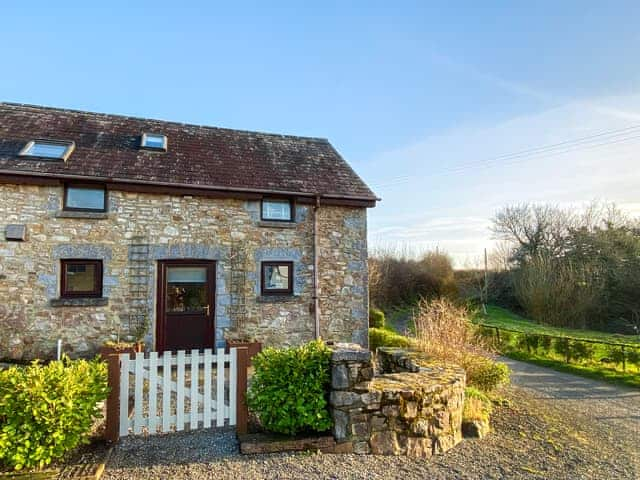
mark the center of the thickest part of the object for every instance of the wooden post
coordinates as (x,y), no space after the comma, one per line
(498,335)
(566,351)
(241,396)
(624,360)
(112,430)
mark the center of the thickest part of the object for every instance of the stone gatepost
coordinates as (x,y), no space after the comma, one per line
(351,374)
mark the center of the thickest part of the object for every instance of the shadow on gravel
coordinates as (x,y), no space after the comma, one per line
(201,446)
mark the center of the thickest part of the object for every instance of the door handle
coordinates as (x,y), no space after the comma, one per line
(207,310)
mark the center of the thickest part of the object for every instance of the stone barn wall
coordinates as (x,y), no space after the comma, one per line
(32,317)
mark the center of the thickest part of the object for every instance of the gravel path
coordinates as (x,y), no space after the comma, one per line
(556,425)
(535,438)
(609,411)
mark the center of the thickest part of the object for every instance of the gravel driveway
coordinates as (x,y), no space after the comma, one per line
(608,410)
(548,430)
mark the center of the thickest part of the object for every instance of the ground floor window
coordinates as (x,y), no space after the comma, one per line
(81,278)
(277,278)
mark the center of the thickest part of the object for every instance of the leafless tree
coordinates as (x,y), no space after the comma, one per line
(534,229)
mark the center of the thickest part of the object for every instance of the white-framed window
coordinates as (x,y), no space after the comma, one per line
(55,149)
(280,210)
(154,141)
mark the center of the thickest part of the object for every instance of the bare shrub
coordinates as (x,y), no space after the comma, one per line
(556,293)
(444,332)
(399,277)
(442,327)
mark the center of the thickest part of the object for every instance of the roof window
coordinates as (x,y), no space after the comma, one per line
(57,149)
(154,141)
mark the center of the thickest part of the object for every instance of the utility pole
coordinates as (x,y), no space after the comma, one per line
(485,296)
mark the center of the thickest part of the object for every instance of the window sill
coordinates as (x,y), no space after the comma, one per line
(79,302)
(273,224)
(276,298)
(89,215)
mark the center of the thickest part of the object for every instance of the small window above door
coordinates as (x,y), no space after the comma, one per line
(278,210)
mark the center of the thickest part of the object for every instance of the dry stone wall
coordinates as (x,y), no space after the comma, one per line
(403,410)
(173,227)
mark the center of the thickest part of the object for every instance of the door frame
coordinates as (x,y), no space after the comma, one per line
(161,297)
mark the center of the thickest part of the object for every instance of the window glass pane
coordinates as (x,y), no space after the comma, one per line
(80,277)
(154,141)
(49,150)
(276,209)
(276,277)
(186,289)
(187,275)
(89,198)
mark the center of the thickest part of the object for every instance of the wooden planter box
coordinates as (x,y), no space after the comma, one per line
(106,350)
(253,347)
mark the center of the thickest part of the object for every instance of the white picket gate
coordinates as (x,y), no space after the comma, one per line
(173,391)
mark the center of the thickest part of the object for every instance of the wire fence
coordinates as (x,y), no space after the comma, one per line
(570,349)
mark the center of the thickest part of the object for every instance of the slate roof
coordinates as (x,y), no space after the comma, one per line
(107,147)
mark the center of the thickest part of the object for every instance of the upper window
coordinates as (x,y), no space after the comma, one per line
(87,198)
(48,149)
(81,278)
(277,209)
(154,141)
(277,278)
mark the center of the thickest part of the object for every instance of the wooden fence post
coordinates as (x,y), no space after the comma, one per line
(112,430)
(624,360)
(241,396)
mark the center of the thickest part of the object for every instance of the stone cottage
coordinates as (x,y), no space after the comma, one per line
(114,227)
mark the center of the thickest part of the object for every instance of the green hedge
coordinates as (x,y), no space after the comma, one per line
(376,318)
(379,337)
(48,410)
(289,388)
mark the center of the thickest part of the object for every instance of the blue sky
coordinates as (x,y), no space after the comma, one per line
(425,100)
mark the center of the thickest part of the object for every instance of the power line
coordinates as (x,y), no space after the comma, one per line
(515,161)
(516,158)
(529,152)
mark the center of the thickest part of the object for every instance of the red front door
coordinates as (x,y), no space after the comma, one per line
(186,300)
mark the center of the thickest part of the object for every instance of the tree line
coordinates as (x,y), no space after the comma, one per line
(559,266)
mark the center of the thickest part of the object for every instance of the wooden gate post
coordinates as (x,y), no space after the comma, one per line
(112,430)
(242,410)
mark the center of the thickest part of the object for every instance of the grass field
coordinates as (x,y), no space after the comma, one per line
(502,318)
(594,360)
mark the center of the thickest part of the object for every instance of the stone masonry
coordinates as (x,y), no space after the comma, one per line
(404,410)
(173,227)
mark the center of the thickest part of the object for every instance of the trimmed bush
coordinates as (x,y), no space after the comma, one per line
(289,388)
(379,337)
(484,373)
(376,318)
(48,410)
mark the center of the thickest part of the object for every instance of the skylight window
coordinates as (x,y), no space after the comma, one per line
(154,141)
(48,149)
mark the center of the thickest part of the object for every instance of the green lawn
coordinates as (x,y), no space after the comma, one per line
(502,318)
(593,364)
